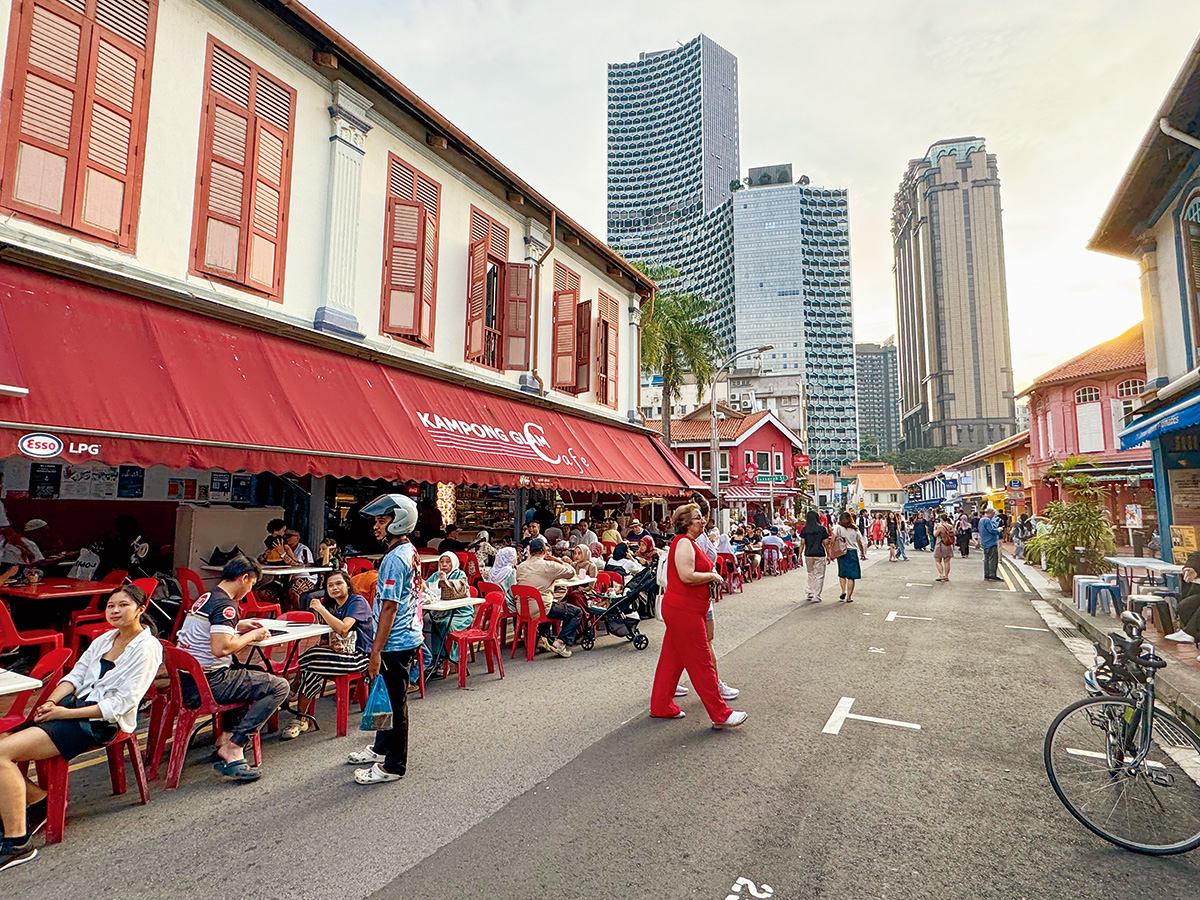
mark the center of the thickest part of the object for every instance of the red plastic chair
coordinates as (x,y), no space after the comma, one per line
(469,563)
(608,546)
(303,617)
(94,611)
(772,561)
(606,580)
(356,565)
(54,776)
(191,588)
(728,566)
(37,637)
(484,630)
(527,621)
(183,719)
(49,671)
(251,607)
(490,587)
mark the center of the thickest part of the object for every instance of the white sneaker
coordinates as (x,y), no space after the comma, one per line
(364,757)
(1181,636)
(727,692)
(681,691)
(735,719)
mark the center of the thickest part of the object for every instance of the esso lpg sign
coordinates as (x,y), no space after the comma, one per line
(40,445)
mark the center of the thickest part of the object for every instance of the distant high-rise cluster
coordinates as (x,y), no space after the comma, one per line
(952,301)
(672,154)
(878,397)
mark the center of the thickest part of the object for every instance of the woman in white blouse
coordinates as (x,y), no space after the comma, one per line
(98,698)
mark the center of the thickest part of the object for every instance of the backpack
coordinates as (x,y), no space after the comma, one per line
(836,546)
(948,537)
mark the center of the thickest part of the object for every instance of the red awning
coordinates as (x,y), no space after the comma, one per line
(12,382)
(124,380)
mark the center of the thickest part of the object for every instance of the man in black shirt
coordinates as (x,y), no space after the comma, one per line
(450,541)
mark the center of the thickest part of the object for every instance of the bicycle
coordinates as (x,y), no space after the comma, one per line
(1127,770)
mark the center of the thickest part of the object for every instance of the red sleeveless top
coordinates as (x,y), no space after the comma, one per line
(692,596)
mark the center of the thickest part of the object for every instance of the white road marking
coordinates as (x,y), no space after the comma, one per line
(1092,754)
(905,597)
(917,584)
(1002,590)
(1026,628)
(841,713)
(875,650)
(894,615)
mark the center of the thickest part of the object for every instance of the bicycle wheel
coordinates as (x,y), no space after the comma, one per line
(1153,808)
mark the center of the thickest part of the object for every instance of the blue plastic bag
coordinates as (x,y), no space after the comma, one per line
(377,714)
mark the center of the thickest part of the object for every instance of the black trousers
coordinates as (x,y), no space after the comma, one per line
(393,743)
(991,561)
(1189,614)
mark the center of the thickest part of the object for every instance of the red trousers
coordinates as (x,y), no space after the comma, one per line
(685,646)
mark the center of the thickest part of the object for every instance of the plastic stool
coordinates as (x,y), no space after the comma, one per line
(1098,594)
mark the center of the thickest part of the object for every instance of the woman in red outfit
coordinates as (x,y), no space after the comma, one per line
(683,610)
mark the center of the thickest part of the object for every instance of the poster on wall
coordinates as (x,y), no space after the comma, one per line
(76,483)
(175,489)
(189,488)
(131,482)
(44,480)
(104,482)
(1185,496)
(241,488)
(220,486)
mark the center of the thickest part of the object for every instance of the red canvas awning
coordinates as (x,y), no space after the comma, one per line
(124,380)
(12,382)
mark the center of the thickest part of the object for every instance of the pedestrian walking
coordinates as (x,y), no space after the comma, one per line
(989,540)
(877,531)
(920,532)
(815,560)
(850,562)
(892,528)
(1021,533)
(690,581)
(962,533)
(943,546)
(398,635)
(901,538)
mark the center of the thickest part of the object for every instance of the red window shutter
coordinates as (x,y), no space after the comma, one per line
(428,275)
(565,303)
(606,390)
(224,176)
(405,241)
(583,345)
(610,397)
(476,296)
(517,313)
(267,208)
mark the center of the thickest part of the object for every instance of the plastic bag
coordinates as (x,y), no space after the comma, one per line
(377,714)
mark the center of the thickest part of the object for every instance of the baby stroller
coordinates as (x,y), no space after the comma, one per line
(619,618)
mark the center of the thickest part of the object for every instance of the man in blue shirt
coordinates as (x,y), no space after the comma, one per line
(989,539)
(398,635)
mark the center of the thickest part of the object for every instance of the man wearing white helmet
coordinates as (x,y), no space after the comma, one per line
(398,635)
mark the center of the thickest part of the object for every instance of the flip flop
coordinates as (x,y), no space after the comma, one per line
(238,770)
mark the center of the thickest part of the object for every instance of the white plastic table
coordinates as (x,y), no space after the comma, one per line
(281,570)
(1152,566)
(14,683)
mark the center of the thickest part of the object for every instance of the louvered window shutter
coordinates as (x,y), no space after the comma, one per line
(606,392)
(428,275)
(405,244)
(1193,242)
(610,397)
(78,114)
(564,338)
(601,360)
(245,171)
(476,296)
(583,345)
(517,314)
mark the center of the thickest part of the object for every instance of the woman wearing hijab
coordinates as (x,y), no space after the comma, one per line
(814,536)
(962,534)
(597,550)
(504,573)
(483,550)
(647,551)
(448,582)
(622,562)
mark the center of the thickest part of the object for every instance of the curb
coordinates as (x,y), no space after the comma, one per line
(1179,699)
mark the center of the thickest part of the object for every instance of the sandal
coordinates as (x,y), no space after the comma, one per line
(374,775)
(293,729)
(366,756)
(238,770)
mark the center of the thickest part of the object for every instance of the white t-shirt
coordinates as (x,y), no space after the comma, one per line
(10,554)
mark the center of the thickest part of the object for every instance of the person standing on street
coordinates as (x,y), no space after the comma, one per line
(690,581)
(962,533)
(398,635)
(850,562)
(943,546)
(815,560)
(901,537)
(989,540)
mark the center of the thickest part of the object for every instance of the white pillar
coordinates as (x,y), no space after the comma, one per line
(347,146)
(635,362)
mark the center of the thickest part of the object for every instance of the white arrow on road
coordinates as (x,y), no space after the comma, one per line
(841,713)
(893,616)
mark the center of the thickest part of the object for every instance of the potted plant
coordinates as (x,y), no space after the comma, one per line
(1079,534)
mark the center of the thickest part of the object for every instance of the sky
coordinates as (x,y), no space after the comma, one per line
(846,92)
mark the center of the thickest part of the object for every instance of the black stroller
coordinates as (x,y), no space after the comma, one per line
(619,618)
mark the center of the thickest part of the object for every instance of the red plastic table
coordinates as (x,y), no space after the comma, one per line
(58,588)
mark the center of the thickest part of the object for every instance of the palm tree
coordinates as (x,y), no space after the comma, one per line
(676,340)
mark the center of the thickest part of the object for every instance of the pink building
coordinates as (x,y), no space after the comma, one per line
(1077,409)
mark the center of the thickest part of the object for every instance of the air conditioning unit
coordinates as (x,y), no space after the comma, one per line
(747,406)
(733,398)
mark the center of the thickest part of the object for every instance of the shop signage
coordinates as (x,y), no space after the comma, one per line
(1133,515)
(40,445)
(801,461)
(1016,484)
(750,473)
(770,479)
(952,484)
(531,442)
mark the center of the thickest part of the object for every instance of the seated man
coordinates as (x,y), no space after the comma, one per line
(212,634)
(636,532)
(772,539)
(451,543)
(540,572)
(535,531)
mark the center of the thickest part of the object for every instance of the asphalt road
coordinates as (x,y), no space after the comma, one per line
(554,782)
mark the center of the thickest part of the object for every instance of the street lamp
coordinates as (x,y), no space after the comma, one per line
(714,461)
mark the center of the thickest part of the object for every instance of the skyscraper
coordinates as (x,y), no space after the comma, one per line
(952,302)
(878,396)
(791,245)
(672,153)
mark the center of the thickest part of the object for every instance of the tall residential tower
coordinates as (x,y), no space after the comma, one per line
(954,349)
(791,246)
(672,153)
(878,396)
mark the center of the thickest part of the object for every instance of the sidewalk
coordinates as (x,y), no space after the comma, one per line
(1178,687)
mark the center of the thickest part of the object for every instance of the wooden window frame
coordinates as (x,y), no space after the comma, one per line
(392,196)
(255,123)
(1082,397)
(564,332)
(69,221)
(494,236)
(608,314)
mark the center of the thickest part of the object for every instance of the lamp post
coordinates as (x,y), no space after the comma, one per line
(714,459)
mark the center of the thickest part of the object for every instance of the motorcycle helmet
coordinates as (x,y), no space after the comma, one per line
(403,509)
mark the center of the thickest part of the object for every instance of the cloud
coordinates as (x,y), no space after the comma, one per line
(846,92)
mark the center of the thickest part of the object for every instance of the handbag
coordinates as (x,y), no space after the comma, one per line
(836,546)
(219,557)
(377,714)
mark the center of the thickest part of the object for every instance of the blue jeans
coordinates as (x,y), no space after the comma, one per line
(900,554)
